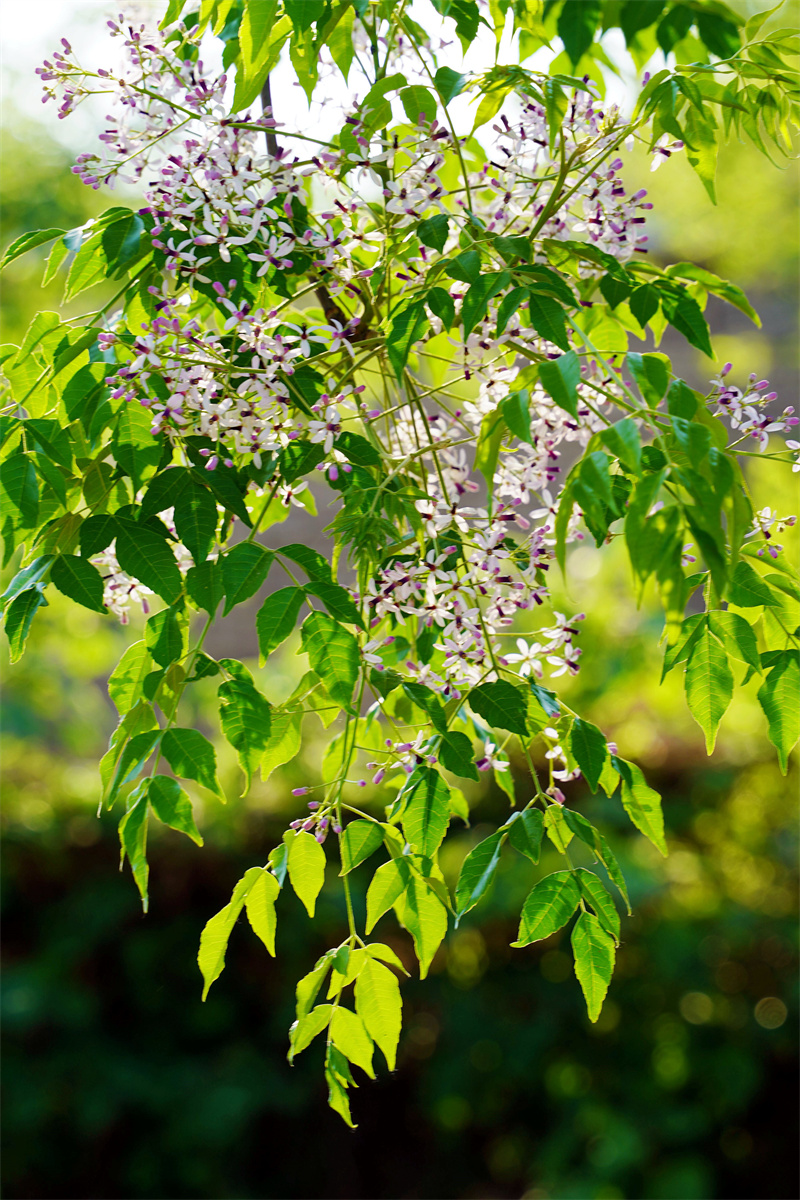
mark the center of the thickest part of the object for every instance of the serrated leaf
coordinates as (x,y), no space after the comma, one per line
(589,749)
(172,806)
(525,833)
(380,1007)
(19,618)
(349,1035)
(78,579)
(560,379)
(284,741)
(550,904)
(164,638)
(477,872)
(709,684)
(337,600)
(196,520)
(303,1032)
(422,913)
(127,679)
(623,440)
(736,635)
(651,372)
(260,907)
(277,618)
(246,719)
(594,961)
(547,318)
(500,704)
(333,654)
(358,841)
(191,756)
(29,241)
(778,697)
(146,556)
(748,589)
(426,811)
(456,755)
(306,863)
(408,326)
(388,884)
(595,894)
(641,802)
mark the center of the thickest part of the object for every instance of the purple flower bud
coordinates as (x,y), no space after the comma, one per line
(309,824)
(378,776)
(336,827)
(301,791)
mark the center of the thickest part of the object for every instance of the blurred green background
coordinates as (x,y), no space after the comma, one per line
(118,1081)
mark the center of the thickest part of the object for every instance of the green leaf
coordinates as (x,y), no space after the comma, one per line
(78,579)
(449,84)
(517,416)
(651,372)
(19,491)
(333,654)
(349,1035)
(550,904)
(133,841)
(546,699)
(433,232)
(466,15)
(418,102)
(560,378)
(29,241)
(135,754)
(684,314)
(357,450)
(127,679)
(145,556)
(380,1007)
(172,806)
(641,802)
(309,985)
(547,318)
(164,637)
(422,913)
(709,684)
(487,451)
(593,891)
(245,717)
(455,754)
(388,884)
(623,440)
(598,844)
(426,812)
(577,23)
(260,907)
(748,590)
(736,635)
(500,704)
(589,750)
(18,619)
(476,302)
(477,872)
(191,756)
(217,931)
(303,1032)
(315,566)
(408,326)
(694,439)
(306,860)
(276,619)
(28,577)
(284,740)
(337,600)
(778,698)
(196,520)
(525,833)
(204,586)
(701,149)
(594,961)
(359,840)
(442,305)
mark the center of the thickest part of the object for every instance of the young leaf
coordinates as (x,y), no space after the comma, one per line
(333,654)
(380,1007)
(589,750)
(594,961)
(502,705)
(422,913)
(19,618)
(388,884)
(349,1035)
(284,740)
(192,756)
(308,987)
(426,811)
(127,679)
(276,619)
(260,906)
(133,841)
(641,803)
(217,931)
(79,580)
(736,635)
(477,872)
(306,860)
(303,1032)
(172,806)
(358,841)
(550,904)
